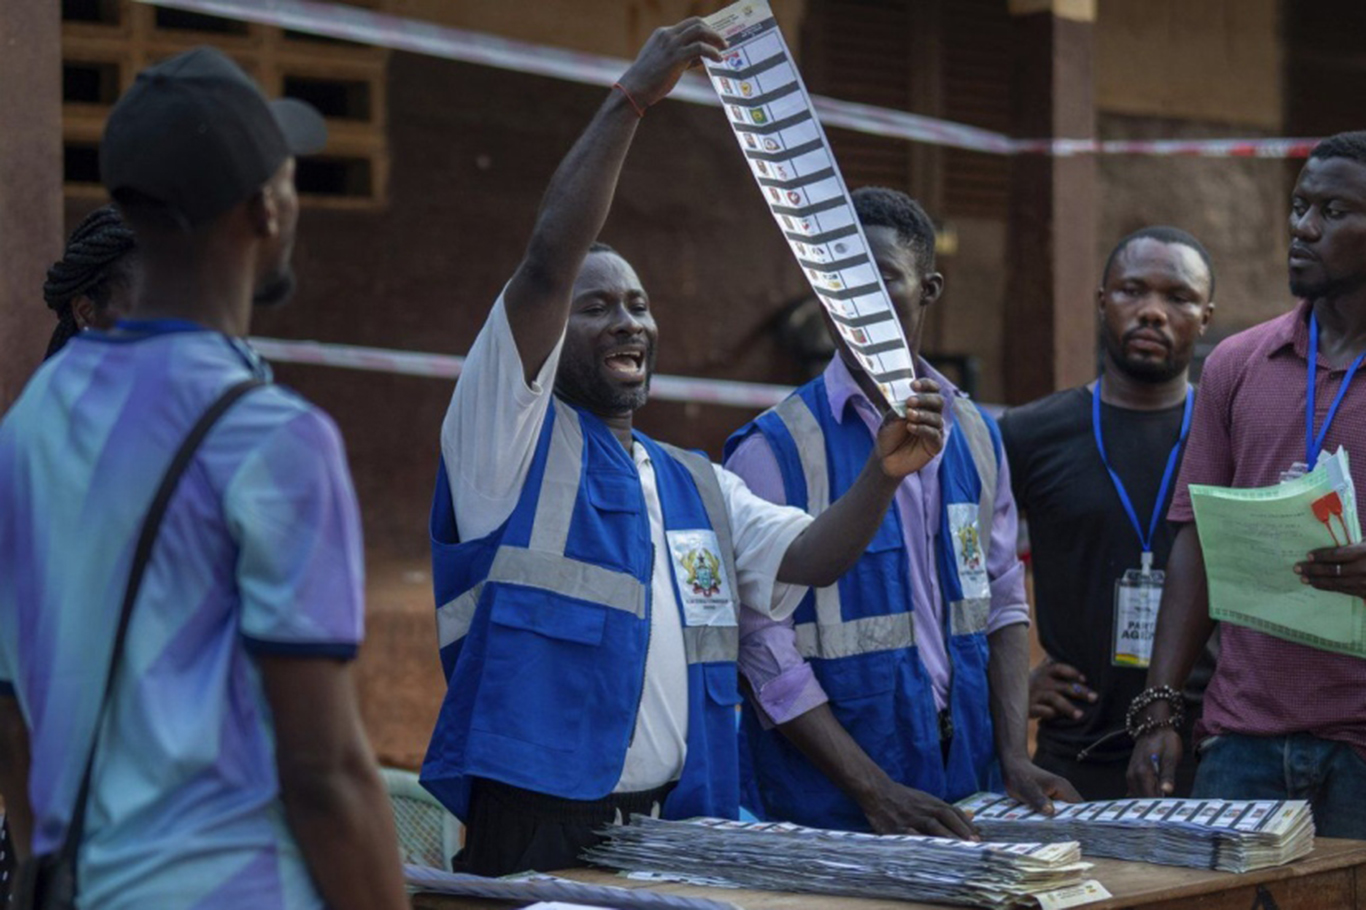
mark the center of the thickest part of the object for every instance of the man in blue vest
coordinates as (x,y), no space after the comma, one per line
(588,578)
(904,687)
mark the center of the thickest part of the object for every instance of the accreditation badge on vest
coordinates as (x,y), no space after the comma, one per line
(969,554)
(703,588)
(1137,597)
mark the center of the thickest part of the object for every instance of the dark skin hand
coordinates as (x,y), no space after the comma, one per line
(1183,628)
(1341,570)
(1058,690)
(1007,669)
(832,543)
(889,807)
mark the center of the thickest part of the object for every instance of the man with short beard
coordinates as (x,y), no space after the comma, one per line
(902,689)
(587,577)
(1281,720)
(1089,529)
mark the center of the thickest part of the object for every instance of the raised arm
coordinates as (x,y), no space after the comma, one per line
(580,194)
(832,543)
(1183,628)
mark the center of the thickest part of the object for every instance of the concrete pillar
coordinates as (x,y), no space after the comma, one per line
(30,182)
(1051,280)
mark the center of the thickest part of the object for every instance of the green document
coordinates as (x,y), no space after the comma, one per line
(1252,540)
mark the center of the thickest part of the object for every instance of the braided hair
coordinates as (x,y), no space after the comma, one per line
(96,263)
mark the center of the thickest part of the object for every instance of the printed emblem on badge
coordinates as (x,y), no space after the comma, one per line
(758,116)
(746,89)
(735,61)
(969,558)
(701,579)
(771,145)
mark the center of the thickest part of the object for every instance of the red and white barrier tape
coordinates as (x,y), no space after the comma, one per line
(364,26)
(755,395)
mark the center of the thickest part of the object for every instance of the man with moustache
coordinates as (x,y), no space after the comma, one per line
(587,577)
(1093,470)
(1281,720)
(883,699)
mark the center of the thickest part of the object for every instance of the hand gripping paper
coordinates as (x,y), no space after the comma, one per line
(770,112)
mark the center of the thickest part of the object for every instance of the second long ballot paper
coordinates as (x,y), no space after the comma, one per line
(771,115)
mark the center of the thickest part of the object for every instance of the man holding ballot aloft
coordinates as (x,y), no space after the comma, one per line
(1282,720)
(587,577)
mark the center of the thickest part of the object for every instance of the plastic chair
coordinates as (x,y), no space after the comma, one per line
(428,835)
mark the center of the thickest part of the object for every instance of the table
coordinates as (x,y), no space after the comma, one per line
(1333,877)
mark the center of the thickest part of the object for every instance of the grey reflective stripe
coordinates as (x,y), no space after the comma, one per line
(714,502)
(711,644)
(978,437)
(453,618)
(969,617)
(552,573)
(560,482)
(806,432)
(858,636)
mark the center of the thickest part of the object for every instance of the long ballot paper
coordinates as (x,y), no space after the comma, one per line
(770,112)
(1227,835)
(785,857)
(1252,539)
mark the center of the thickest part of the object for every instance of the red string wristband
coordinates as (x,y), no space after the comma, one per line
(640,111)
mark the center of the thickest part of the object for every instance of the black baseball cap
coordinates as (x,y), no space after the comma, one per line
(195,134)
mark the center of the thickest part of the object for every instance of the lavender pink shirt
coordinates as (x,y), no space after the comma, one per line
(1248,427)
(784,683)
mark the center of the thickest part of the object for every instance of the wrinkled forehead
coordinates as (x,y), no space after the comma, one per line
(607,273)
(1160,263)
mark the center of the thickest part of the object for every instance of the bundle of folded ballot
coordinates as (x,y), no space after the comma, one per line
(1227,835)
(786,857)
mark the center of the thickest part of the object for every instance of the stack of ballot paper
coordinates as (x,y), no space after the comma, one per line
(1252,539)
(1228,835)
(785,857)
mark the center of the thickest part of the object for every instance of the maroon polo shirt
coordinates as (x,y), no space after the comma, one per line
(1248,428)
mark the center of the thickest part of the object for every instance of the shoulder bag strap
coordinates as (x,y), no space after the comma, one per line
(141,556)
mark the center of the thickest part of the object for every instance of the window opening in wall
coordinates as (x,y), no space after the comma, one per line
(334,177)
(81,162)
(184,21)
(85,82)
(338,99)
(102,12)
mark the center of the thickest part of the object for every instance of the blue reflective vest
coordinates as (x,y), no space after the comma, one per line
(544,625)
(858,635)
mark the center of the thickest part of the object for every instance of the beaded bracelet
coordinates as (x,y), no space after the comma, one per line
(1146,698)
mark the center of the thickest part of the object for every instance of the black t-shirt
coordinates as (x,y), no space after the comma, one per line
(1082,542)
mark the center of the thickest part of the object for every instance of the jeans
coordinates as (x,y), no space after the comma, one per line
(1329,774)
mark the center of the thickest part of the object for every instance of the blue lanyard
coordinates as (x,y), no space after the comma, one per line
(1314,444)
(1146,541)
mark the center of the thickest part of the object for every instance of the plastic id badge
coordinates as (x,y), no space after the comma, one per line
(1138,595)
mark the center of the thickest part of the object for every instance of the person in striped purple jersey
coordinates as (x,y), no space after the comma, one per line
(231,769)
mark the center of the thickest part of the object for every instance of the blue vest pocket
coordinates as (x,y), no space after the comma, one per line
(539,677)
